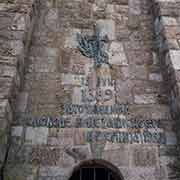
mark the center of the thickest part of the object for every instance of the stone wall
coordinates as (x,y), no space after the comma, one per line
(167,32)
(144,75)
(17,19)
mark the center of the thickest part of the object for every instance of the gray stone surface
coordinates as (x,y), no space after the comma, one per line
(36,136)
(175,56)
(106,27)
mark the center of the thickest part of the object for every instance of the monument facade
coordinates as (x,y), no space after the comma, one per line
(89,89)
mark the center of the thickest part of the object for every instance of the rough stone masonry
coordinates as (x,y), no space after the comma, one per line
(44,77)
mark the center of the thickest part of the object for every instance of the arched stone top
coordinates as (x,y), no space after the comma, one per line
(101,163)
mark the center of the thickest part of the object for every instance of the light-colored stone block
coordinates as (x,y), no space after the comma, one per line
(48,64)
(117,55)
(145,99)
(8,71)
(77,95)
(169,21)
(17,47)
(72,79)
(106,28)
(175,58)
(36,136)
(155,77)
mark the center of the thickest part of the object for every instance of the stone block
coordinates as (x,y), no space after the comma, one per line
(71,39)
(175,58)
(36,136)
(155,77)
(77,95)
(22,101)
(158,26)
(4,124)
(172,44)
(118,155)
(144,156)
(51,19)
(106,28)
(134,7)
(8,71)
(124,91)
(169,21)
(53,171)
(110,10)
(44,65)
(81,152)
(137,72)
(3,152)
(134,13)
(171,138)
(5,110)
(139,173)
(145,99)
(17,47)
(64,137)
(19,22)
(117,55)
(72,79)
(44,51)
(79,137)
(17,131)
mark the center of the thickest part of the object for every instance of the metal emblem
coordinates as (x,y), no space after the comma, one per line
(93,47)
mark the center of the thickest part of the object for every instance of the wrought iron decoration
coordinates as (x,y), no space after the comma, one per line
(93,47)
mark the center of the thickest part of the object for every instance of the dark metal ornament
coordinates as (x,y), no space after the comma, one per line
(93,47)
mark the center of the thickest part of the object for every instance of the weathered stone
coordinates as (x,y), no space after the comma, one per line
(71,39)
(44,52)
(17,131)
(175,56)
(144,156)
(134,12)
(8,71)
(36,136)
(171,139)
(17,47)
(77,95)
(79,137)
(139,173)
(51,19)
(107,27)
(124,91)
(57,73)
(169,21)
(19,22)
(51,156)
(155,77)
(53,171)
(22,101)
(82,152)
(145,99)
(5,110)
(72,79)
(117,55)
(44,65)
(113,155)
(61,138)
